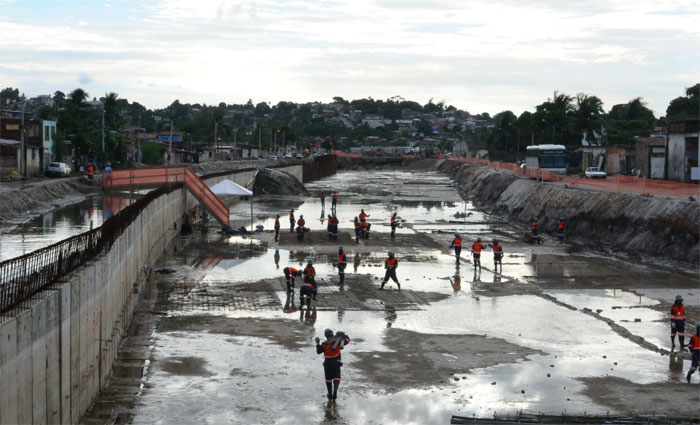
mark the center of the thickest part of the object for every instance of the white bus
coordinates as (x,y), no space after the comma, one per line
(546,157)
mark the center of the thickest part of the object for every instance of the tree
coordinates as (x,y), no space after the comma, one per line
(152,153)
(77,98)
(110,105)
(588,109)
(684,106)
(9,94)
(628,120)
(338,99)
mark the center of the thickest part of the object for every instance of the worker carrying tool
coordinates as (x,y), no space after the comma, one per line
(497,254)
(358,230)
(308,290)
(332,363)
(277,228)
(292,221)
(694,346)
(394,224)
(677,317)
(561,227)
(342,264)
(457,245)
(476,252)
(390,264)
(290,273)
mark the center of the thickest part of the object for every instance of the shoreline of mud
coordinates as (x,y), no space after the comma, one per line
(639,227)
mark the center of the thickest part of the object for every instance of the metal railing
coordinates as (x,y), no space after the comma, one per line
(23,277)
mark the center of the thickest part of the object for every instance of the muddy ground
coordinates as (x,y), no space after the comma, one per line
(559,328)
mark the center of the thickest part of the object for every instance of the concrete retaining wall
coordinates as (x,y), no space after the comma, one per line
(56,355)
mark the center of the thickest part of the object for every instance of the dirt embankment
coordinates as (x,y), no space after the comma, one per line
(22,198)
(636,225)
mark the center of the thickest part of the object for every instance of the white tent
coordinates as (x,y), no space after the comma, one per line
(227,187)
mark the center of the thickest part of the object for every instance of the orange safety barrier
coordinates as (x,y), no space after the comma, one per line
(159,176)
(617,183)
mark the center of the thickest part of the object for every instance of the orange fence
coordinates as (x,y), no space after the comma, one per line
(167,175)
(619,182)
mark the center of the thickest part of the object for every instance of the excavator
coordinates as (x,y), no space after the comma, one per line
(318,142)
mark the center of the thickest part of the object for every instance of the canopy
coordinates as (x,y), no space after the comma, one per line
(227,187)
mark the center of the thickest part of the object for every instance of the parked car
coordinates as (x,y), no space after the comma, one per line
(300,156)
(288,156)
(595,173)
(272,157)
(58,169)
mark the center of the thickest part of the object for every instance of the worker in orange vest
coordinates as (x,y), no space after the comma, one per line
(358,230)
(390,264)
(342,263)
(476,252)
(694,346)
(677,317)
(301,222)
(308,289)
(289,274)
(323,200)
(457,244)
(291,220)
(334,201)
(561,227)
(497,254)
(332,359)
(277,228)
(363,215)
(394,224)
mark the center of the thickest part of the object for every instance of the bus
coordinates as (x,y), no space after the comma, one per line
(546,157)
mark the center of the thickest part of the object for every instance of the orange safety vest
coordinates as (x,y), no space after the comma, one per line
(677,313)
(277,222)
(90,170)
(342,258)
(292,270)
(393,218)
(457,241)
(301,222)
(392,262)
(329,352)
(476,248)
(362,216)
(291,216)
(497,248)
(694,343)
(335,196)
(365,224)
(534,225)
(562,224)
(310,271)
(323,195)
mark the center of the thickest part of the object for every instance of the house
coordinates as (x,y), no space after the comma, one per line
(11,158)
(650,155)
(36,137)
(682,150)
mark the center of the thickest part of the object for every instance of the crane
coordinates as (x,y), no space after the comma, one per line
(318,142)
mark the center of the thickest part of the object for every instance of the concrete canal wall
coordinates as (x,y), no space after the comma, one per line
(56,355)
(622,223)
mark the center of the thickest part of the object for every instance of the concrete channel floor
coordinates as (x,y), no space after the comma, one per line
(559,330)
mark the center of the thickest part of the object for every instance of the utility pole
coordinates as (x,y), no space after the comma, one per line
(274,152)
(170,144)
(259,141)
(24,148)
(216,131)
(103,132)
(235,130)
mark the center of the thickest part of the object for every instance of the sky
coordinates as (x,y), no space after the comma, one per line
(478,55)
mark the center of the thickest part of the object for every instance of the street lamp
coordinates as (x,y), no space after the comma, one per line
(604,130)
(554,128)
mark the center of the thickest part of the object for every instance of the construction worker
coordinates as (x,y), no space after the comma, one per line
(363,215)
(290,273)
(291,220)
(358,230)
(300,232)
(310,277)
(342,263)
(457,244)
(364,228)
(497,254)
(394,224)
(323,200)
(677,317)
(334,201)
(301,222)
(336,222)
(332,360)
(694,347)
(390,264)
(561,227)
(476,252)
(277,228)
(329,227)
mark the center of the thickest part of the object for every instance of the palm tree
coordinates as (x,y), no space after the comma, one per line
(77,97)
(110,103)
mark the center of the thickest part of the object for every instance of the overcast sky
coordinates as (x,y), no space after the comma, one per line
(479,55)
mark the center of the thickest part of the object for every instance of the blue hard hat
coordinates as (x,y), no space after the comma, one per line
(679,298)
(310,261)
(391,253)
